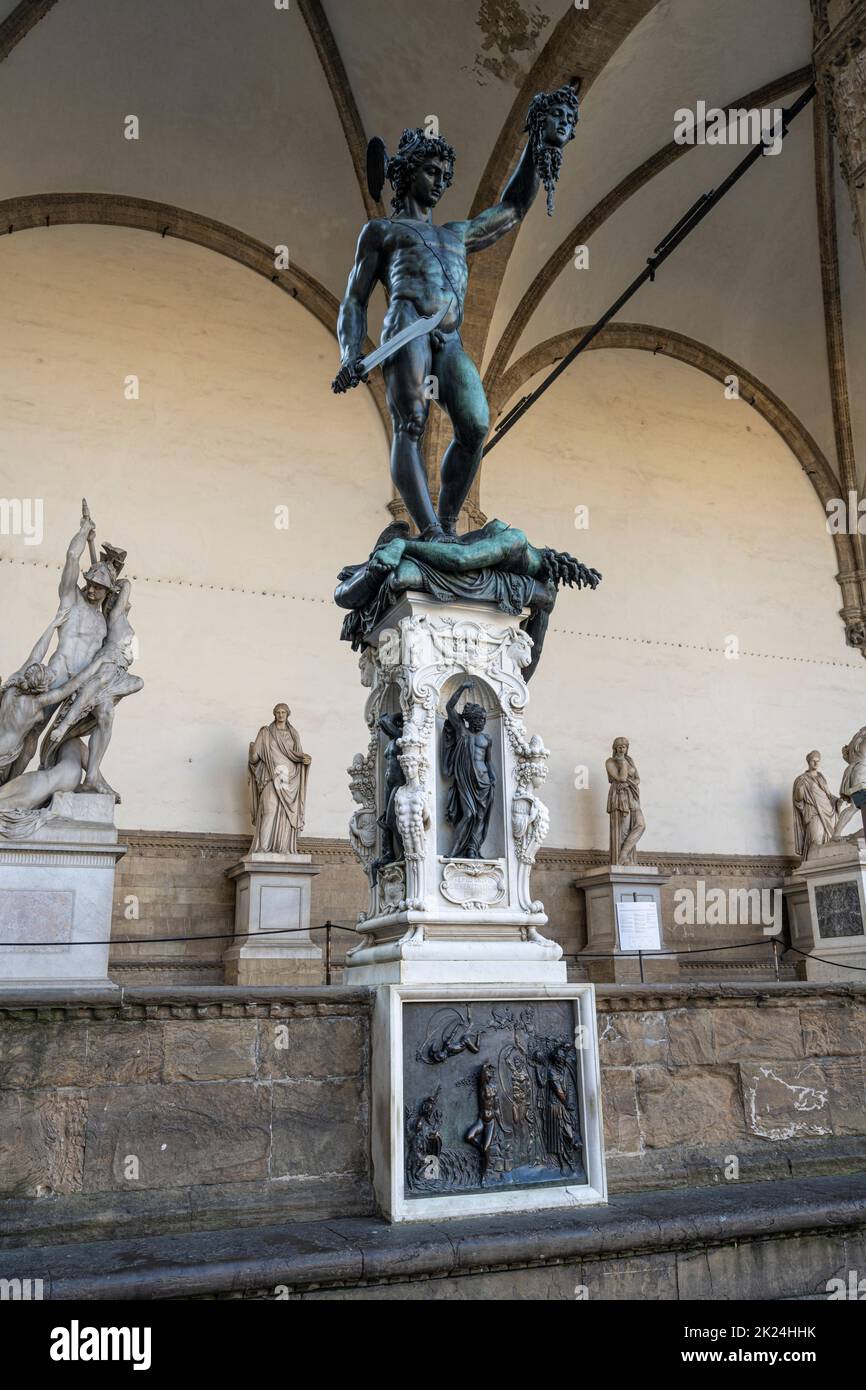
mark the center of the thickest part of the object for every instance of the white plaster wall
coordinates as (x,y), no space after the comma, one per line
(701,521)
(235,418)
(704,527)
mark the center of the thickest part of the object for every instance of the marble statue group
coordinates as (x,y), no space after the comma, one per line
(61,701)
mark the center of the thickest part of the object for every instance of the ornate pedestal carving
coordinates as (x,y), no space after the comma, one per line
(485,1061)
(424,787)
(826,900)
(272,922)
(56,889)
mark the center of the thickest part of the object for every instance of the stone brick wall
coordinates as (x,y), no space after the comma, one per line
(174,885)
(710,1083)
(217,1109)
(206,1107)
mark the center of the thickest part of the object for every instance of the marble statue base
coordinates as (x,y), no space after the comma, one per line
(614,926)
(826,898)
(432,916)
(56,891)
(431,1045)
(473,1015)
(437,954)
(272,943)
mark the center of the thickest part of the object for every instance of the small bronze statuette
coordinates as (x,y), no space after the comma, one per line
(466,759)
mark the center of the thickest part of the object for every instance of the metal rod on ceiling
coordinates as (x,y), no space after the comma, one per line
(665,248)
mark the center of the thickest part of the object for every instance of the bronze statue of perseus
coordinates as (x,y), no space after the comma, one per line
(423,268)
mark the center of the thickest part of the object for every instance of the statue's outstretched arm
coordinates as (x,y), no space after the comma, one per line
(61,692)
(44,642)
(352,319)
(72,567)
(517,198)
(451,708)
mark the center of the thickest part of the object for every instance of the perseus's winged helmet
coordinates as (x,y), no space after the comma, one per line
(377,167)
(415,144)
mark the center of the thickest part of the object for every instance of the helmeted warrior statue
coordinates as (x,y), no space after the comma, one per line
(424,270)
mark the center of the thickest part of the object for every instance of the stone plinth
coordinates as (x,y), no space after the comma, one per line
(56,889)
(485,1061)
(272,943)
(608,891)
(431,916)
(826,900)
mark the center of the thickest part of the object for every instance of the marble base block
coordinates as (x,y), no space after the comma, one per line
(826,900)
(604,890)
(56,891)
(272,943)
(485,1093)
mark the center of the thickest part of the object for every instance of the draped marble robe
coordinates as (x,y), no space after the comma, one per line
(278,789)
(814,810)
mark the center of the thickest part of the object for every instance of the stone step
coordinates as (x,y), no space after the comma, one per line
(767,1240)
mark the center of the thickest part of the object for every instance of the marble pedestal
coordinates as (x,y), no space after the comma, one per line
(432,918)
(826,899)
(608,893)
(473,1016)
(56,891)
(272,895)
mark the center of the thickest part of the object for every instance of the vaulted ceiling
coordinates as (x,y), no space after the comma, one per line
(253,122)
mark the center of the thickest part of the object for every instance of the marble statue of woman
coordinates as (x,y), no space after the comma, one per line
(278,785)
(815,808)
(623,804)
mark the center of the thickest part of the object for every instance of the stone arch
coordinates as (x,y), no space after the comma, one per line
(648,338)
(142,214)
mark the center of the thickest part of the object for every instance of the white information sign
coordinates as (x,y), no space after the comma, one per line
(638,925)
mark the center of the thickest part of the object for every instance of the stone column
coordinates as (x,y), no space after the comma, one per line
(485,1069)
(840,68)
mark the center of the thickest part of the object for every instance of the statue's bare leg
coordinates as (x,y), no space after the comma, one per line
(405,376)
(462,395)
(99,741)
